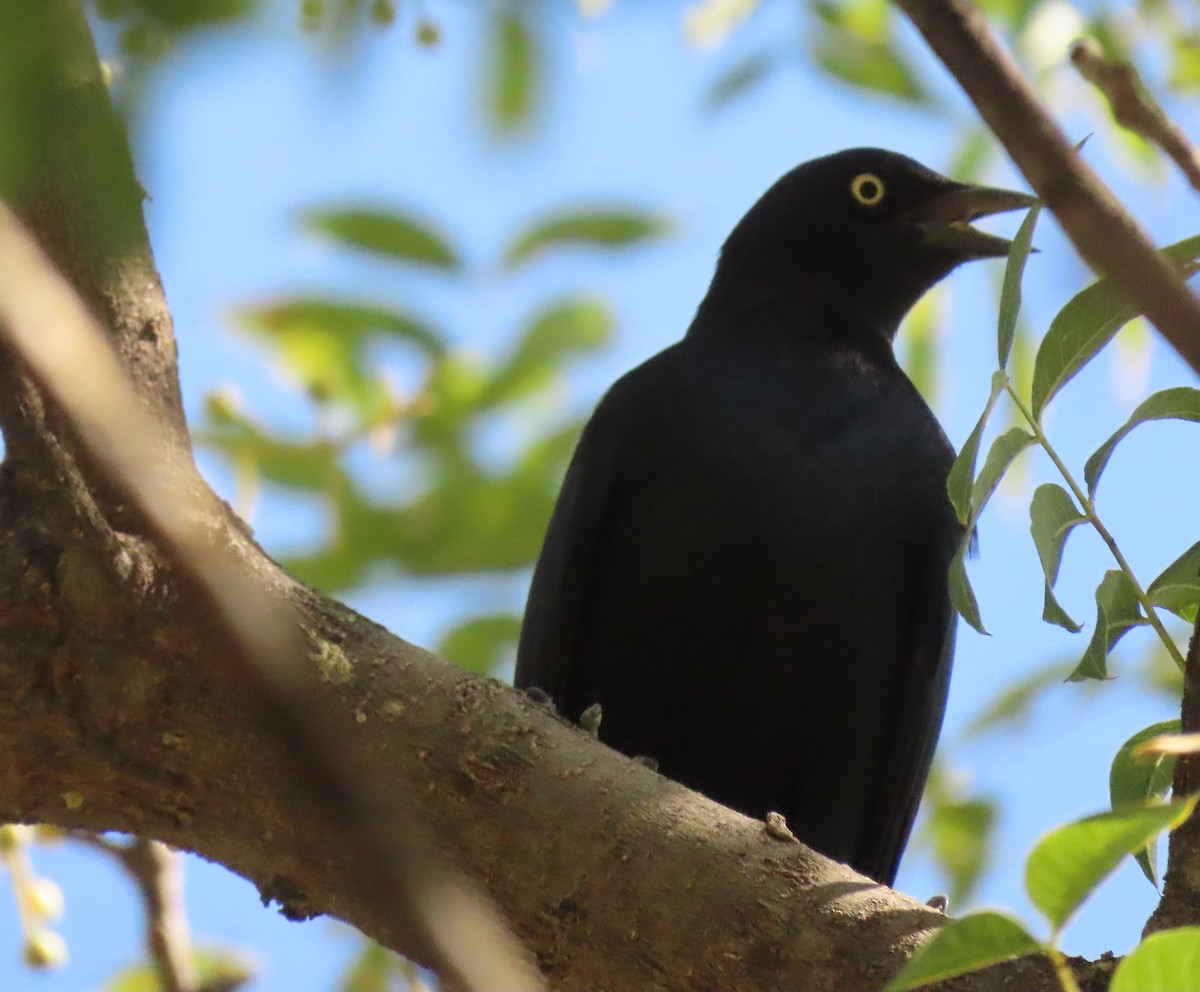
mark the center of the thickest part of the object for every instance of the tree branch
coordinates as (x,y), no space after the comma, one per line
(1180,903)
(1134,108)
(1102,231)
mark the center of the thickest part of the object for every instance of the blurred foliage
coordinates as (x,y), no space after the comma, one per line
(218,969)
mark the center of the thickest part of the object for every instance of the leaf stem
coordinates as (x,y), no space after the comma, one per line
(1066,977)
(1089,508)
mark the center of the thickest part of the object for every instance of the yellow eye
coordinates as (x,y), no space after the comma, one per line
(867,189)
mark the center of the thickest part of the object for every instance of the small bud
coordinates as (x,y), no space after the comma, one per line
(46,899)
(14,835)
(45,949)
(383,12)
(428,33)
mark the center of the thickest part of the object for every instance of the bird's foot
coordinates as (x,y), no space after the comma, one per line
(589,720)
(645,759)
(776,826)
(940,902)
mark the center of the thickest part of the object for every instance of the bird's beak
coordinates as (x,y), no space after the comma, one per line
(945,220)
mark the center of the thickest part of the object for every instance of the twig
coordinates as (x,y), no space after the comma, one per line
(1134,107)
(157,872)
(262,657)
(1102,231)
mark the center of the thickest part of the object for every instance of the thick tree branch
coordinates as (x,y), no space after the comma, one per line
(257,649)
(1102,231)
(1180,904)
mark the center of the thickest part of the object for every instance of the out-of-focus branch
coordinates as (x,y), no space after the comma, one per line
(158,874)
(262,655)
(1100,228)
(1134,107)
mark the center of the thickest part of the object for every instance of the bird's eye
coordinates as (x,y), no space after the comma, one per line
(867,189)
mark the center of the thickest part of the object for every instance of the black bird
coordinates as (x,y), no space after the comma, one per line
(746,566)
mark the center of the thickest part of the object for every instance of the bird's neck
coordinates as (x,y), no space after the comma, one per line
(798,316)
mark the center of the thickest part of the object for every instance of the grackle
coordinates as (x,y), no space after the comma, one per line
(746,567)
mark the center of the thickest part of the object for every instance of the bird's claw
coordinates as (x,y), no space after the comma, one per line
(776,826)
(589,720)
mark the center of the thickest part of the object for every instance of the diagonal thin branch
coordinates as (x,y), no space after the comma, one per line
(263,656)
(1133,107)
(1103,232)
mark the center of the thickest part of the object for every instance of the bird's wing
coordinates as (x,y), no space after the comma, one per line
(918,704)
(556,596)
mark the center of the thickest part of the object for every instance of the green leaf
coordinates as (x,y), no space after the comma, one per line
(962,472)
(855,41)
(371,971)
(1117,612)
(1167,961)
(1179,403)
(479,644)
(1052,517)
(343,317)
(1014,705)
(392,235)
(1178,587)
(572,327)
(323,343)
(1069,862)
(1133,780)
(739,80)
(1086,324)
(613,228)
(512,82)
(1010,291)
(1001,455)
(962,596)
(961,835)
(966,944)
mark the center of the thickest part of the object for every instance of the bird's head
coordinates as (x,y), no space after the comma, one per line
(860,234)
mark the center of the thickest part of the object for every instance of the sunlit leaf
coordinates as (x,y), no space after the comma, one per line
(381,232)
(1010,291)
(323,343)
(1133,780)
(1052,517)
(1178,403)
(966,944)
(560,332)
(921,344)
(1117,612)
(1086,324)
(1167,960)
(1069,862)
(855,41)
(1178,587)
(609,228)
(707,23)
(371,971)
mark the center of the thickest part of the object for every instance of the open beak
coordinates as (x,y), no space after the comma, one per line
(945,220)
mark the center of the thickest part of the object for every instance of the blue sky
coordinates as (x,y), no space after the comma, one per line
(242,128)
